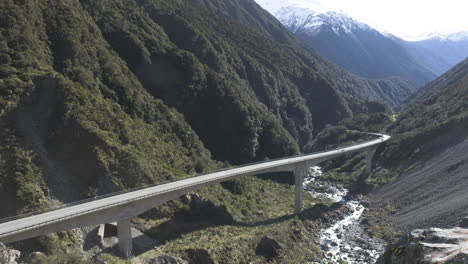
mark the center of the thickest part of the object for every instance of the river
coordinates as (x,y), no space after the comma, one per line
(345,240)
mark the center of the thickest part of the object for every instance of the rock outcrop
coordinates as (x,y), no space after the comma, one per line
(8,256)
(162,259)
(464,223)
(198,256)
(269,248)
(435,245)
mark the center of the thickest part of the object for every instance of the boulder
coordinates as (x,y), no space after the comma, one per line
(8,256)
(35,257)
(196,200)
(269,248)
(186,198)
(192,199)
(464,223)
(198,256)
(164,259)
(434,245)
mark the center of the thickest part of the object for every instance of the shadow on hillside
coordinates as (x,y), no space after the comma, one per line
(211,216)
(265,222)
(202,216)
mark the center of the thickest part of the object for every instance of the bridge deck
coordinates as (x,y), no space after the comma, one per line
(9,229)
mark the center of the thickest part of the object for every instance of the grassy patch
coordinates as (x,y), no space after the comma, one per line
(377,221)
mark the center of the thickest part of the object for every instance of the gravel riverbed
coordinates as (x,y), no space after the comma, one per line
(345,240)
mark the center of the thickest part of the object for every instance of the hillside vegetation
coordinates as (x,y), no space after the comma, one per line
(73,113)
(433,121)
(232,64)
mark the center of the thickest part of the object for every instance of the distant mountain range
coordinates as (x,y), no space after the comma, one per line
(438,53)
(369,53)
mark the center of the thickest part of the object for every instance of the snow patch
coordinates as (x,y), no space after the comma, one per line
(296,18)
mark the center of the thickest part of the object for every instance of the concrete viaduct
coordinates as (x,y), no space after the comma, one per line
(121,208)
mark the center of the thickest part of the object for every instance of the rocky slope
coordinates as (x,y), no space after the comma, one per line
(427,159)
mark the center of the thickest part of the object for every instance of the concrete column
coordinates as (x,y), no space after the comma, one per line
(369,156)
(298,181)
(101,232)
(124,232)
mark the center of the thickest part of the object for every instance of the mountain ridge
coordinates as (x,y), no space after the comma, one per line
(354,45)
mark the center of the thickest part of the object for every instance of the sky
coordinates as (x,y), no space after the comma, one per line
(408,19)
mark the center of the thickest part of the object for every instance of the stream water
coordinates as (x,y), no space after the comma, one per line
(345,240)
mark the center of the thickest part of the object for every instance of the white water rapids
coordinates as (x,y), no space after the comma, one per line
(345,240)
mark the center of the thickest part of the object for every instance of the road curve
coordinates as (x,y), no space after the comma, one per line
(162,193)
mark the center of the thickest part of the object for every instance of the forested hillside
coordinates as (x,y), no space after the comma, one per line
(234,65)
(75,121)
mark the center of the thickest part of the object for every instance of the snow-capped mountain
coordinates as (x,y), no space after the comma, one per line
(367,51)
(297,19)
(456,36)
(273,6)
(294,18)
(354,45)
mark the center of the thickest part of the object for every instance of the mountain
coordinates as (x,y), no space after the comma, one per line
(427,159)
(105,96)
(354,45)
(440,52)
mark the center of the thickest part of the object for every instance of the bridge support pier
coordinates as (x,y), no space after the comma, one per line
(298,182)
(124,232)
(369,156)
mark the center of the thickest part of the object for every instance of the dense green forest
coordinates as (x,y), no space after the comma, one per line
(71,110)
